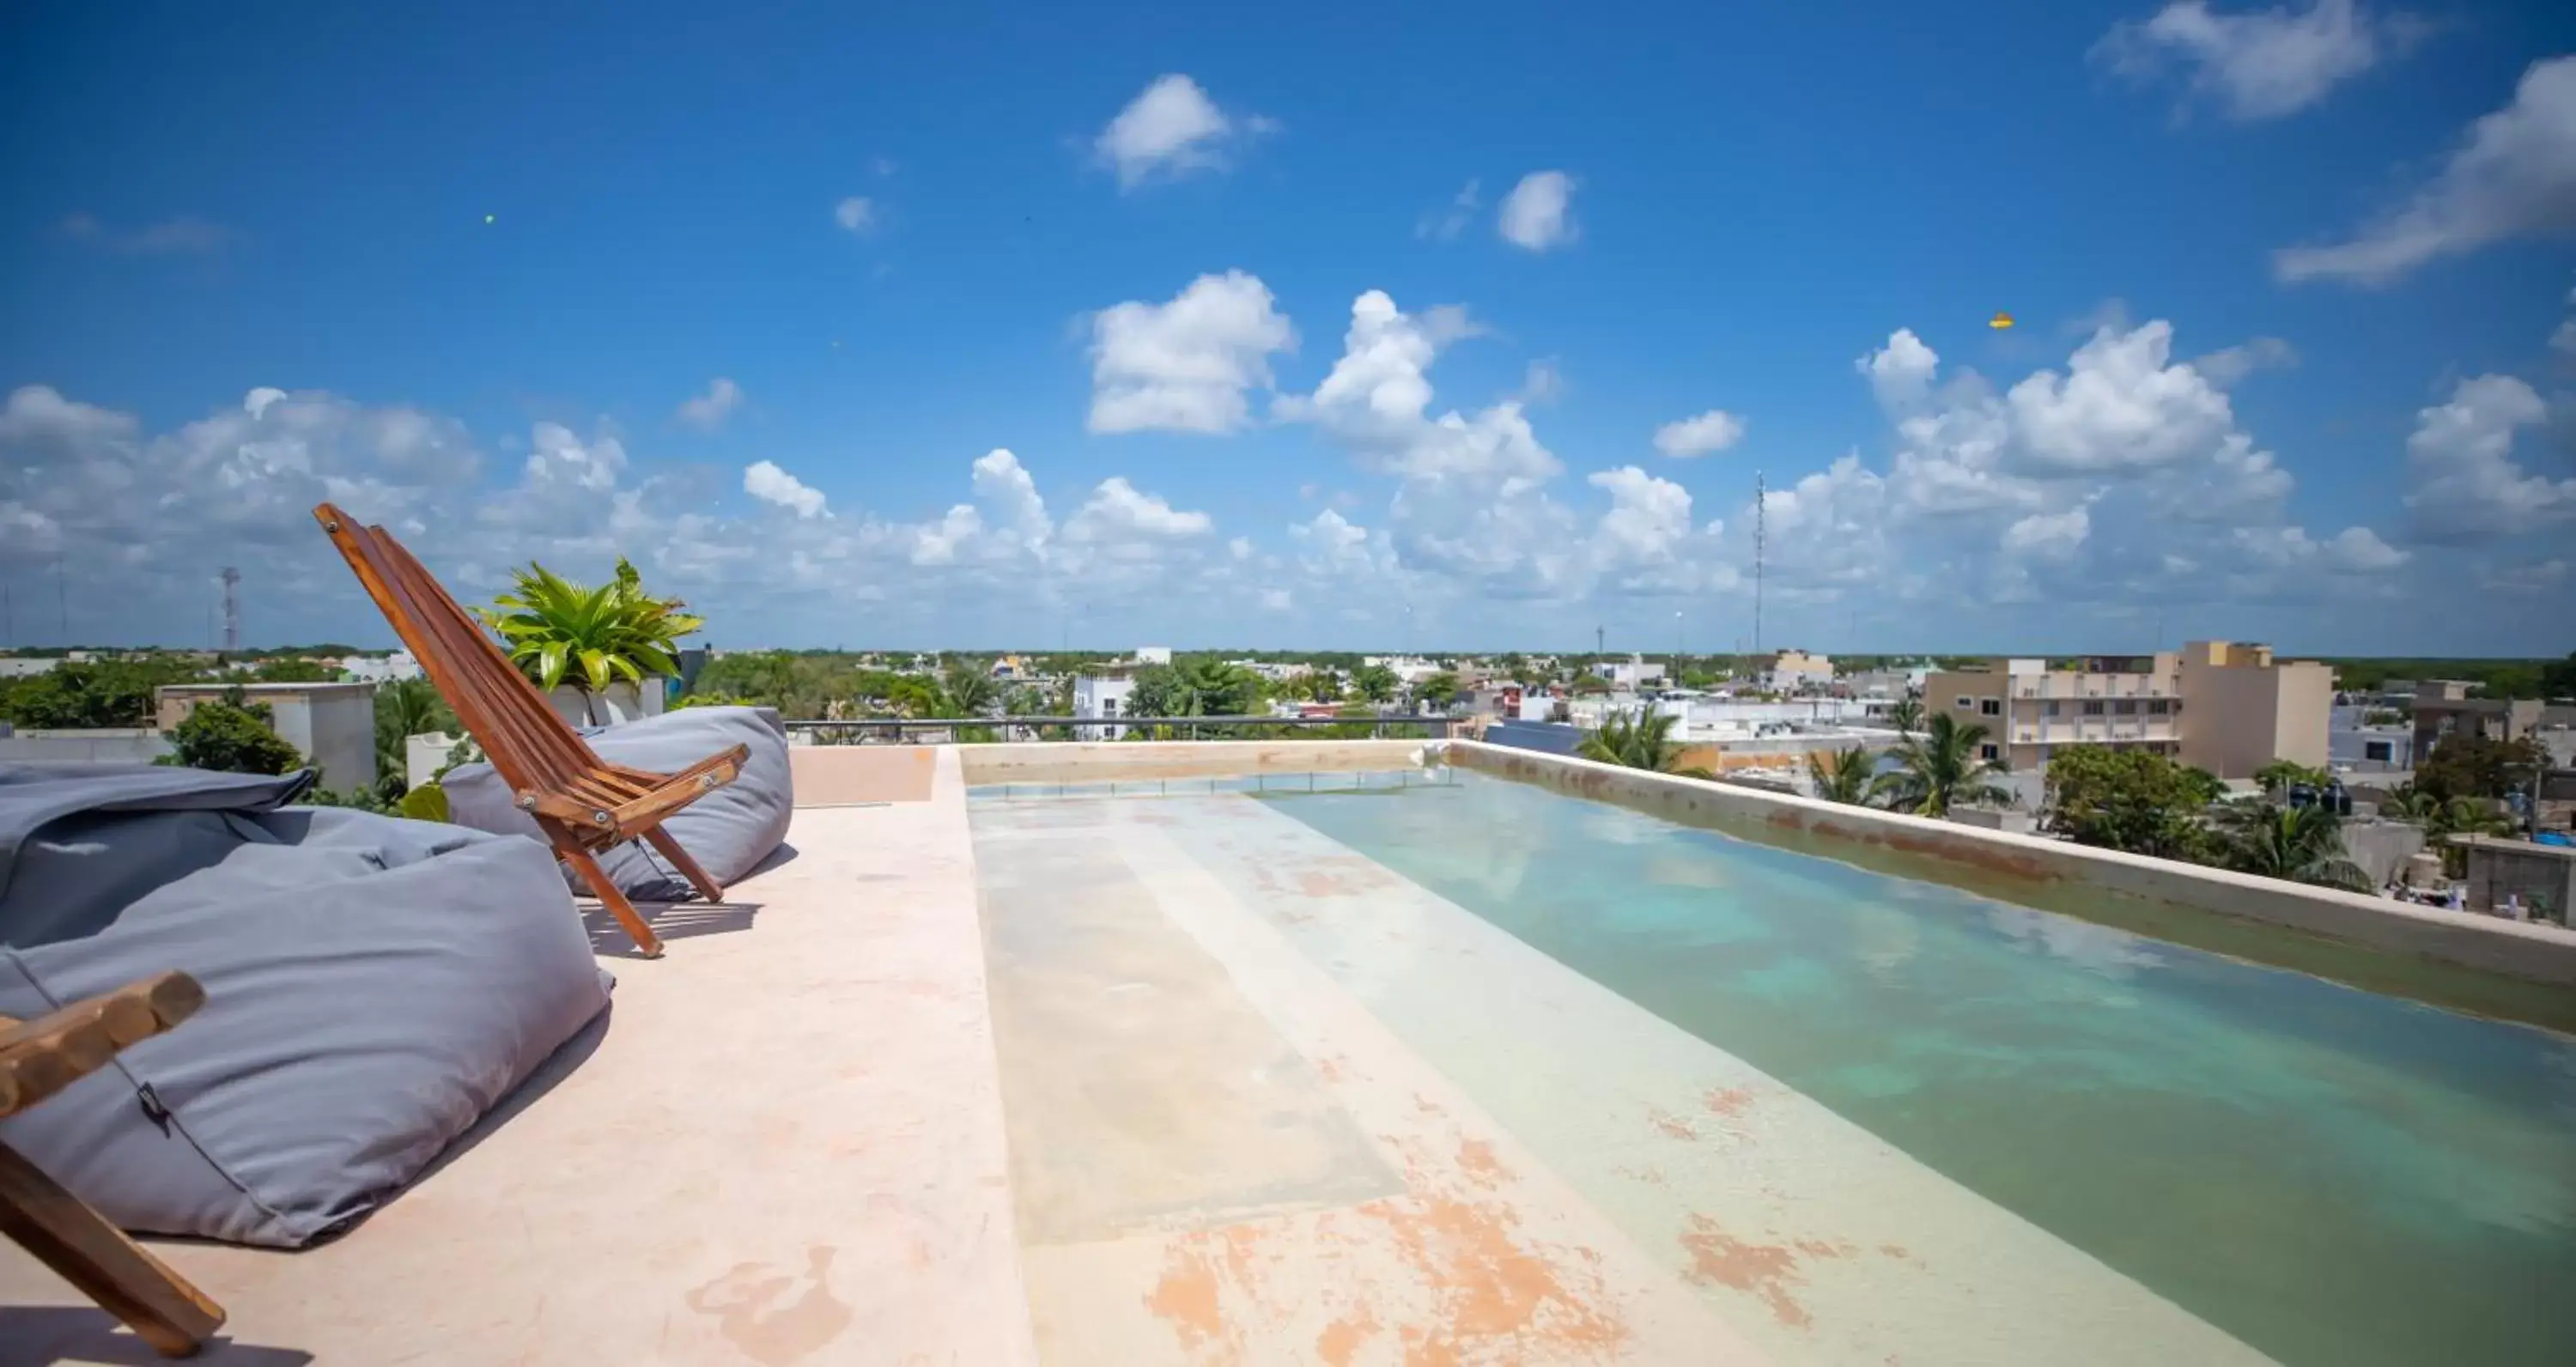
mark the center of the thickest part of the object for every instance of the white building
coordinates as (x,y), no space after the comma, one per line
(1103,695)
(379,669)
(1632,673)
(1788,671)
(1153,655)
(16,667)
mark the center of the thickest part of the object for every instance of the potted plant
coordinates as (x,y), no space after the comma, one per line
(593,650)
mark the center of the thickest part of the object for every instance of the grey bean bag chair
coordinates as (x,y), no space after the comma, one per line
(373,986)
(728,831)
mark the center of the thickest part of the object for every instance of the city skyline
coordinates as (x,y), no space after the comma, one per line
(927,332)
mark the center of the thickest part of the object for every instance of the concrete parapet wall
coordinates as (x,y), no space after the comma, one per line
(2187,903)
(1118,761)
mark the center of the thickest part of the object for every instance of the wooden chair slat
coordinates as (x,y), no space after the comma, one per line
(559,779)
(61,1230)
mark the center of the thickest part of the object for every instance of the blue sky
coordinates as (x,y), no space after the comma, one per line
(2292,359)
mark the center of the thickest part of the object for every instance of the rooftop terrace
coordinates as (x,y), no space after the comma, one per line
(1002,1082)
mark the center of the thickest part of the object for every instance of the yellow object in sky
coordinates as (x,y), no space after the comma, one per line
(2000,321)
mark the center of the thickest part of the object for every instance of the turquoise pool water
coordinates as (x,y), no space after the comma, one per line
(2331,1176)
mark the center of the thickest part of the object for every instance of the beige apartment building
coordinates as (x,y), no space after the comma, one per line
(2222,706)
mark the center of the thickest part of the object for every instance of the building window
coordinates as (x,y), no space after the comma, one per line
(2378,751)
(1990,707)
(1988,752)
(1109,707)
(1966,702)
(2156,707)
(2048,708)
(2092,709)
(2124,708)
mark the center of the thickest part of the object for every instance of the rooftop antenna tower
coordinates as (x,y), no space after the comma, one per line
(63,597)
(232,609)
(1760,537)
(1596,639)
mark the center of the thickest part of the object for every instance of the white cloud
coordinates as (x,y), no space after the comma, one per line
(1170,130)
(1649,517)
(1445,224)
(2049,536)
(1240,548)
(709,410)
(2121,404)
(1184,366)
(855,214)
(1001,482)
(1543,381)
(2530,576)
(2463,484)
(2228,366)
(1714,430)
(1277,600)
(1118,513)
(2257,64)
(1375,402)
(2513,176)
(765,481)
(2359,550)
(40,416)
(1538,213)
(1901,371)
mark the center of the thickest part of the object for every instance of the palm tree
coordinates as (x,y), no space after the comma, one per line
(2281,775)
(1213,688)
(1841,776)
(2443,818)
(2301,844)
(560,632)
(1907,714)
(1940,769)
(970,691)
(405,708)
(1638,740)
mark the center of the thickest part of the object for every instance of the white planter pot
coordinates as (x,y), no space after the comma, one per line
(622,702)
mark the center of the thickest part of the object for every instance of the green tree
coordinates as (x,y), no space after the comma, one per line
(2474,766)
(1377,683)
(970,692)
(560,632)
(2443,818)
(2301,844)
(2558,677)
(89,697)
(1438,690)
(1155,691)
(1638,739)
(293,670)
(1939,769)
(1317,685)
(1841,775)
(1213,688)
(232,736)
(2134,800)
(406,708)
(1907,714)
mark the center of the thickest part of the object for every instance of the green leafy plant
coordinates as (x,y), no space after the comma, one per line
(1841,775)
(559,632)
(1940,768)
(232,736)
(1377,683)
(428,802)
(2134,800)
(2301,844)
(2281,775)
(1907,714)
(1638,739)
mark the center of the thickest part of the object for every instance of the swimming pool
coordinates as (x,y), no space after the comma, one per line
(1859,1115)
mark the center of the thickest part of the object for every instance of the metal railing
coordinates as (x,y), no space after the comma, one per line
(936,730)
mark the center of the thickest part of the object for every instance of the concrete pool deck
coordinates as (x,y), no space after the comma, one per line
(1139,1082)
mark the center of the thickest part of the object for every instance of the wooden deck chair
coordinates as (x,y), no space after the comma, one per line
(583,804)
(43,1056)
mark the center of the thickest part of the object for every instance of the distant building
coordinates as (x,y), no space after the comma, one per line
(332,724)
(2358,745)
(1103,694)
(2222,706)
(16,667)
(379,669)
(1788,671)
(2438,718)
(1631,674)
(1153,655)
